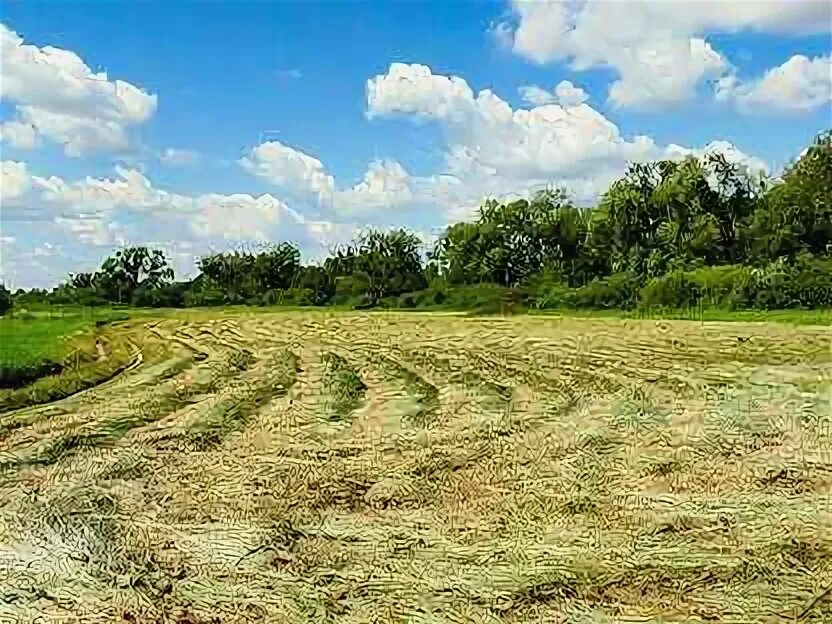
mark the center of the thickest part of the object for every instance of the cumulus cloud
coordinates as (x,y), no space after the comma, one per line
(288,167)
(751,165)
(19,134)
(494,150)
(14,181)
(386,184)
(102,213)
(89,206)
(657,49)
(800,85)
(565,94)
(57,97)
(415,90)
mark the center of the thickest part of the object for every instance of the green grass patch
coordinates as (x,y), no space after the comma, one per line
(32,348)
(821,316)
(36,343)
(346,390)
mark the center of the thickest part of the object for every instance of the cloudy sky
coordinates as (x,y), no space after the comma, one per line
(199,126)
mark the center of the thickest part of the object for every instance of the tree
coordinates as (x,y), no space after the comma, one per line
(123,273)
(318,282)
(5,300)
(277,266)
(233,273)
(796,213)
(82,280)
(379,264)
(511,242)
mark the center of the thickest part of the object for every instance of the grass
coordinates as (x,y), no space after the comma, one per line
(37,342)
(343,385)
(33,348)
(383,467)
(53,353)
(819,316)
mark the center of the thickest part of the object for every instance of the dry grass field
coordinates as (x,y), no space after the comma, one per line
(297,467)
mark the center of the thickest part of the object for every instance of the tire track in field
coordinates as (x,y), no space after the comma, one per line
(104,425)
(139,403)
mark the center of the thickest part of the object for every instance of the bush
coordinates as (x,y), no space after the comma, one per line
(487,299)
(290,296)
(619,290)
(721,286)
(673,290)
(550,290)
(168,296)
(806,283)
(811,282)
(201,295)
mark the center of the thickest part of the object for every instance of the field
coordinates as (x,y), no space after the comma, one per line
(348,467)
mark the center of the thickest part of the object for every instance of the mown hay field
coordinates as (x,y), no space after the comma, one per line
(297,467)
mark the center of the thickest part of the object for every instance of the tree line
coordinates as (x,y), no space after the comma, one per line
(701,231)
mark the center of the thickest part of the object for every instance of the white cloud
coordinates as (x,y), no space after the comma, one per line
(750,164)
(14,181)
(19,134)
(237,217)
(285,166)
(502,34)
(664,72)
(537,96)
(570,95)
(385,185)
(95,195)
(91,214)
(89,207)
(92,229)
(291,74)
(566,94)
(800,85)
(656,47)
(494,150)
(415,90)
(178,157)
(59,98)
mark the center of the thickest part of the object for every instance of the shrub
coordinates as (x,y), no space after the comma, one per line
(676,289)
(168,296)
(619,290)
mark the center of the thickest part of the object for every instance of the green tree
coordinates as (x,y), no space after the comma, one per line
(796,213)
(379,264)
(5,300)
(318,283)
(511,242)
(232,273)
(123,273)
(277,266)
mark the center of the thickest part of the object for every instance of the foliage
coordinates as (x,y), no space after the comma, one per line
(378,264)
(696,232)
(130,269)
(245,275)
(5,300)
(619,290)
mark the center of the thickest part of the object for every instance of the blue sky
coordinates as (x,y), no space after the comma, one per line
(215,80)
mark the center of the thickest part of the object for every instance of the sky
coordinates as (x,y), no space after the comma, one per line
(197,127)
